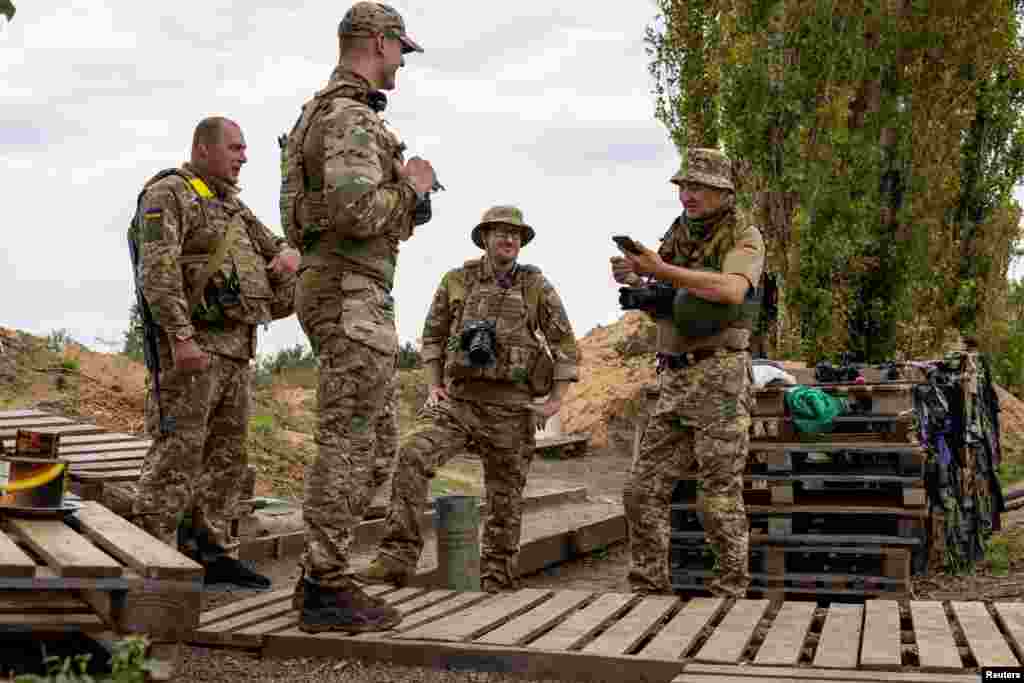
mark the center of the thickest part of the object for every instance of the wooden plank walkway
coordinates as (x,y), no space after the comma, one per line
(585,636)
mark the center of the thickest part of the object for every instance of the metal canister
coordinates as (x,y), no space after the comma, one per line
(35,483)
(457,519)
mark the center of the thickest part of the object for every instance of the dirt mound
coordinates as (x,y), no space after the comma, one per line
(616,362)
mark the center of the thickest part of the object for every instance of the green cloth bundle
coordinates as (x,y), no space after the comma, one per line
(813,410)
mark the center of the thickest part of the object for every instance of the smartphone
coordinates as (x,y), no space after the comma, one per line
(627,244)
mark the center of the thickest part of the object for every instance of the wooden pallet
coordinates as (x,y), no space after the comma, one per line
(100,462)
(892,399)
(858,428)
(93,570)
(585,636)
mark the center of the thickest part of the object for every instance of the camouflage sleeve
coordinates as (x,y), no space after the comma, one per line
(554,324)
(161,234)
(361,200)
(746,258)
(437,324)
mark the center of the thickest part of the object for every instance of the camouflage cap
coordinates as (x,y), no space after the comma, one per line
(367,18)
(707,167)
(506,215)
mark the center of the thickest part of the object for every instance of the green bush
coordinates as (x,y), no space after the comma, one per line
(71,364)
(409,357)
(58,340)
(128,664)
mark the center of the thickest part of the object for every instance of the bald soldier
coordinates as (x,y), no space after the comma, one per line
(496,337)
(348,200)
(210,272)
(703,412)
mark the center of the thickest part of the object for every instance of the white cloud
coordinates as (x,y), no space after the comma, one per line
(544,106)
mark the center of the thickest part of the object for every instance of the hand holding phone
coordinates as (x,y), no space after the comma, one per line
(627,244)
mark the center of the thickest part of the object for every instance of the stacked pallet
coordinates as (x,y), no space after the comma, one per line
(843,513)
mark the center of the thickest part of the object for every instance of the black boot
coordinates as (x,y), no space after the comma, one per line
(220,567)
(347,610)
(226,569)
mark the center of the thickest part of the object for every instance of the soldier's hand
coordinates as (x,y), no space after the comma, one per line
(437,394)
(189,358)
(622,270)
(287,261)
(420,172)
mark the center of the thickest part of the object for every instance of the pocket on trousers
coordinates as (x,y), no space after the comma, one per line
(368,314)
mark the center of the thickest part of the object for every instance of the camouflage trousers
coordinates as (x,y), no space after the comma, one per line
(702,418)
(196,467)
(352,331)
(504,435)
(386,448)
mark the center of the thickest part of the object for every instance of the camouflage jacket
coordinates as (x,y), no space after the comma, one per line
(471,294)
(179,230)
(726,247)
(341,187)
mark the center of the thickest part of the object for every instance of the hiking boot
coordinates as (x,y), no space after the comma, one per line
(299,596)
(385,569)
(226,569)
(345,610)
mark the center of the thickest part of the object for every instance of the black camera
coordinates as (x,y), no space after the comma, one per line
(655,298)
(478,340)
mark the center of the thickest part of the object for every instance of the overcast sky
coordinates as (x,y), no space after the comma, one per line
(545,106)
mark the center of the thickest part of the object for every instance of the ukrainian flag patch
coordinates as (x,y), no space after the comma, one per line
(153,225)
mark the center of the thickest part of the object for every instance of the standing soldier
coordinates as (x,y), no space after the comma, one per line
(209,272)
(703,412)
(347,200)
(486,345)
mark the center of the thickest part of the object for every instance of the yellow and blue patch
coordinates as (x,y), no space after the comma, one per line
(153,225)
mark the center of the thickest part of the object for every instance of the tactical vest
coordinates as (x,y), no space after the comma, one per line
(305,214)
(522,356)
(701,254)
(223,271)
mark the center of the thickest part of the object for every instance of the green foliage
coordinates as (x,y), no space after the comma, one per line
(58,340)
(296,357)
(135,335)
(409,357)
(881,241)
(70,364)
(127,665)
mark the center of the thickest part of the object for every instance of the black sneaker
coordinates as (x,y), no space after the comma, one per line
(226,569)
(345,610)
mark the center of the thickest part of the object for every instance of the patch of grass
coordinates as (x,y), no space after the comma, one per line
(127,665)
(71,364)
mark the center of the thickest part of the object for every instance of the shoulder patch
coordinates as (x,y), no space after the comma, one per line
(528,268)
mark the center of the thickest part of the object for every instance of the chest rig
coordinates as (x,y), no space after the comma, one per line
(520,351)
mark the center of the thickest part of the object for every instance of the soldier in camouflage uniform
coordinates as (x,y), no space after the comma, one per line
(210,272)
(703,412)
(489,406)
(348,200)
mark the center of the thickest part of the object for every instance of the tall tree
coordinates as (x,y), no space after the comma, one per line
(880,138)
